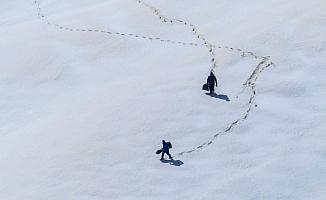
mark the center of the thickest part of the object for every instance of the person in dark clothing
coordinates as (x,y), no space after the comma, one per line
(211,82)
(165,150)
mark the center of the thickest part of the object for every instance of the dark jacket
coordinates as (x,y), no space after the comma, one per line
(165,146)
(211,80)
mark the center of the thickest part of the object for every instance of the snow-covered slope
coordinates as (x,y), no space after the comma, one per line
(90,88)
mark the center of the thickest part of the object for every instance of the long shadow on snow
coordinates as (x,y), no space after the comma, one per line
(177,163)
(219,96)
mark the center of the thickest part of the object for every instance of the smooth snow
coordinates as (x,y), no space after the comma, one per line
(90,88)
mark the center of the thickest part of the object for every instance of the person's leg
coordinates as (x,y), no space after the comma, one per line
(211,89)
(162,155)
(169,155)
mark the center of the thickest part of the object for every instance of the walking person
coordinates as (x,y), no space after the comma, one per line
(165,149)
(211,82)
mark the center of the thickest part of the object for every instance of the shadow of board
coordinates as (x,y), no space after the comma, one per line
(219,96)
(177,163)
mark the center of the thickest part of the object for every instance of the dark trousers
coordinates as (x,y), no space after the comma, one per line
(168,153)
(211,88)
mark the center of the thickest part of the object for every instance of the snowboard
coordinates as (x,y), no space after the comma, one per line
(159,151)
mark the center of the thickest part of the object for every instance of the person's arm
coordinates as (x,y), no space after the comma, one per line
(215,81)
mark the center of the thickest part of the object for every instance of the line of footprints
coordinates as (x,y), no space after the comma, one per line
(264,63)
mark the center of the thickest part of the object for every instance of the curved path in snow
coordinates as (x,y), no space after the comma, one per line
(263,61)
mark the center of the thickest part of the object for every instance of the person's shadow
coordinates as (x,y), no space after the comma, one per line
(219,96)
(177,163)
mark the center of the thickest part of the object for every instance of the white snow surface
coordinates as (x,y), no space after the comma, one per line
(83,112)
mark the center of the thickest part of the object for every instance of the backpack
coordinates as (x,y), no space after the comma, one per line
(169,145)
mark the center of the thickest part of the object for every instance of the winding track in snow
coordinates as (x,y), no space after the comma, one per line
(264,61)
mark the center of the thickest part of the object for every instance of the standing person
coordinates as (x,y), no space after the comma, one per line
(211,82)
(165,149)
